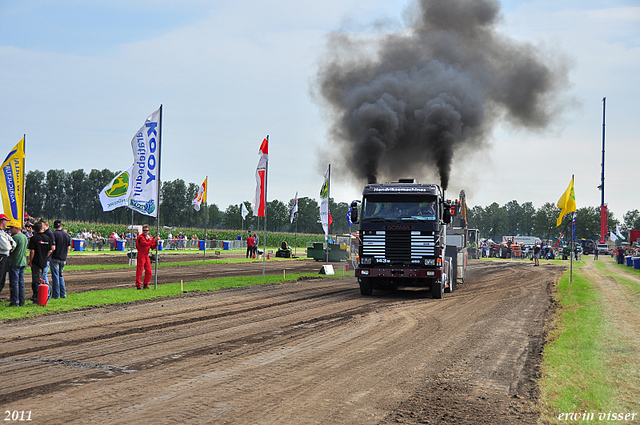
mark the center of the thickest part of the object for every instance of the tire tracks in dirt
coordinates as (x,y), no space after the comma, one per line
(312,351)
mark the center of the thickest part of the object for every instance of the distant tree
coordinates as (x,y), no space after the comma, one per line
(35,193)
(545,222)
(77,207)
(54,200)
(309,216)
(174,203)
(277,216)
(588,223)
(631,221)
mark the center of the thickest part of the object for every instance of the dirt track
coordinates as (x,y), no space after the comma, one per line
(312,351)
(82,281)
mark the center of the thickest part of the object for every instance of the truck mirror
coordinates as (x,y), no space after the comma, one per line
(446,214)
(354,212)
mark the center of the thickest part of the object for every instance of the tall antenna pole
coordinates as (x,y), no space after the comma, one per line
(603,213)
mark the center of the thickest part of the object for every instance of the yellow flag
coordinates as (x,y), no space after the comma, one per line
(567,202)
(12,183)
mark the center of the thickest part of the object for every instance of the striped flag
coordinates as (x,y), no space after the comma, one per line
(295,207)
(201,196)
(259,202)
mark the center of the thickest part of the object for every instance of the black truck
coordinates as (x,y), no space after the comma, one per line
(403,238)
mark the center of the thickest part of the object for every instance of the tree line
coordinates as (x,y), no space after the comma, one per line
(514,219)
(74,196)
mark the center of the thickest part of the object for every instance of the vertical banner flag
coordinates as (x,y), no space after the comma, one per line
(116,194)
(244,211)
(619,233)
(567,202)
(12,183)
(201,196)
(324,203)
(146,150)
(259,201)
(349,221)
(294,210)
(613,236)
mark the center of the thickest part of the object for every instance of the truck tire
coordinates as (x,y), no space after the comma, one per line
(366,287)
(437,289)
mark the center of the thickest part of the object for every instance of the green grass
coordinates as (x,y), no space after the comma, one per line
(125,295)
(581,371)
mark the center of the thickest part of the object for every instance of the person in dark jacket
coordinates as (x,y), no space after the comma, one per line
(62,245)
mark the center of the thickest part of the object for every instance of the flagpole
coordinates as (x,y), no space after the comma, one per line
(296,247)
(266,179)
(573,236)
(206,218)
(24,180)
(328,210)
(155,285)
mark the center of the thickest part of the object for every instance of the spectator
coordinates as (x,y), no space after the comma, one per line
(49,234)
(39,249)
(6,245)
(144,243)
(250,246)
(62,245)
(17,264)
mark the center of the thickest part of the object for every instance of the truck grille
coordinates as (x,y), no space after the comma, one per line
(398,245)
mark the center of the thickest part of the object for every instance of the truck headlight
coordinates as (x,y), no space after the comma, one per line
(365,260)
(429,262)
(364,272)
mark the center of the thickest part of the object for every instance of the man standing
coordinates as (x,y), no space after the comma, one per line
(39,249)
(250,244)
(17,264)
(6,245)
(49,234)
(144,243)
(62,245)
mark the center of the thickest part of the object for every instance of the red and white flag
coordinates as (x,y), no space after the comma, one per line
(259,202)
(201,196)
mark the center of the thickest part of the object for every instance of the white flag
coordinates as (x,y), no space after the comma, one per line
(294,210)
(612,236)
(116,193)
(324,203)
(146,150)
(619,233)
(244,211)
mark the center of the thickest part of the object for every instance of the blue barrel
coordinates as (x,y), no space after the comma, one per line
(160,244)
(120,244)
(636,263)
(202,245)
(629,260)
(78,244)
(226,245)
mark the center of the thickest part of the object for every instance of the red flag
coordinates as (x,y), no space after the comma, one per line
(330,219)
(259,201)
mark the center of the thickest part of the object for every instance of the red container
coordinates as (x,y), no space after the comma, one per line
(43,294)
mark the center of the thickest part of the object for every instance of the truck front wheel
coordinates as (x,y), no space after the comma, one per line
(366,287)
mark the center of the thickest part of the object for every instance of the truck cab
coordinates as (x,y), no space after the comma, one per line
(403,238)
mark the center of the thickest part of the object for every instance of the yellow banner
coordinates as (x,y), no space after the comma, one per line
(12,183)
(567,202)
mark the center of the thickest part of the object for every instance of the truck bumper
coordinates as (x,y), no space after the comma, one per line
(390,273)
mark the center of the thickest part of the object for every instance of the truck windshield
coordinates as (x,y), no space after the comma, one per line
(395,210)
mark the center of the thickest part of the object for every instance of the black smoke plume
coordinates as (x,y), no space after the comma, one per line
(402,103)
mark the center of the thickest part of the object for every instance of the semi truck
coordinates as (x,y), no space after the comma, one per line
(403,238)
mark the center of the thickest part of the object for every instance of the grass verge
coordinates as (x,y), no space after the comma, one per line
(583,371)
(125,295)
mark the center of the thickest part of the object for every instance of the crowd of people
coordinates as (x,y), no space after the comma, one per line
(47,249)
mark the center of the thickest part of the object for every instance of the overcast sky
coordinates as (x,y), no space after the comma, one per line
(80,77)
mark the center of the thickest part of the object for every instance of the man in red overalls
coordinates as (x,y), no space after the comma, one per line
(144,243)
